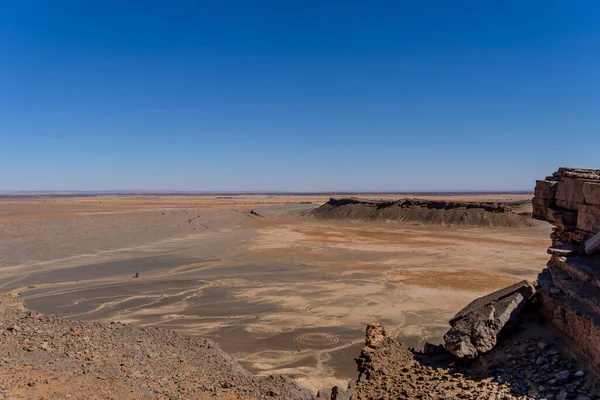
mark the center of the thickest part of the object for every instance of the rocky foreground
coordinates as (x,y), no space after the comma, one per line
(47,357)
(533,363)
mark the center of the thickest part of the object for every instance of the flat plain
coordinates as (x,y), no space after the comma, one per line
(281,291)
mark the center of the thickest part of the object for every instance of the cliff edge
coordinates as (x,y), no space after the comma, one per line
(570,284)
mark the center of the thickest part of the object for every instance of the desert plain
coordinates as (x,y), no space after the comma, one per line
(282,291)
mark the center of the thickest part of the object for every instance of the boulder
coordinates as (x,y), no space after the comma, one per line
(476,327)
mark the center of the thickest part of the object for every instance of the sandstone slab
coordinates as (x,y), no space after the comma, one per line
(570,190)
(580,173)
(591,193)
(545,189)
(475,329)
(561,217)
(588,218)
(569,205)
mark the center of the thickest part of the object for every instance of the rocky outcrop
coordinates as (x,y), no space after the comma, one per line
(426,212)
(524,367)
(570,285)
(475,329)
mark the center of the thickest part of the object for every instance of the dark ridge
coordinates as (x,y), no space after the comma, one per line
(493,214)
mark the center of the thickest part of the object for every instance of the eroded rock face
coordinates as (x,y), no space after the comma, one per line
(476,327)
(570,200)
(570,285)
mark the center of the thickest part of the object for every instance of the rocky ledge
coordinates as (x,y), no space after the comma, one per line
(569,287)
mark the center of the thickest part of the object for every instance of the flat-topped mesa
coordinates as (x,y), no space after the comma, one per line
(569,288)
(493,214)
(430,204)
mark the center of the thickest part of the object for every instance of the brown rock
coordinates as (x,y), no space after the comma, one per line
(545,189)
(588,218)
(570,190)
(561,217)
(591,193)
(569,205)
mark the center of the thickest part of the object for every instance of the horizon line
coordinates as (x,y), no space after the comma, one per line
(248,192)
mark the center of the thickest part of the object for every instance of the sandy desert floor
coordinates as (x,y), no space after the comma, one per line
(283,293)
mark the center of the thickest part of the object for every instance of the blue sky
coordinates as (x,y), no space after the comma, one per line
(296,95)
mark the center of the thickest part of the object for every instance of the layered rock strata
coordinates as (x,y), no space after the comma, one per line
(569,288)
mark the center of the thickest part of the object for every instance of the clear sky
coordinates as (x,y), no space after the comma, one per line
(296,95)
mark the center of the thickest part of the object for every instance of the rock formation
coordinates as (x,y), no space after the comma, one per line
(536,361)
(569,287)
(426,212)
(524,367)
(475,329)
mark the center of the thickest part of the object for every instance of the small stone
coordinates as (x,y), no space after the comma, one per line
(562,395)
(579,374)
(540,360)
(541,345)
(563,376)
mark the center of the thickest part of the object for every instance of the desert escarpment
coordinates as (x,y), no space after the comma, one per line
(492,214)
(570,285)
